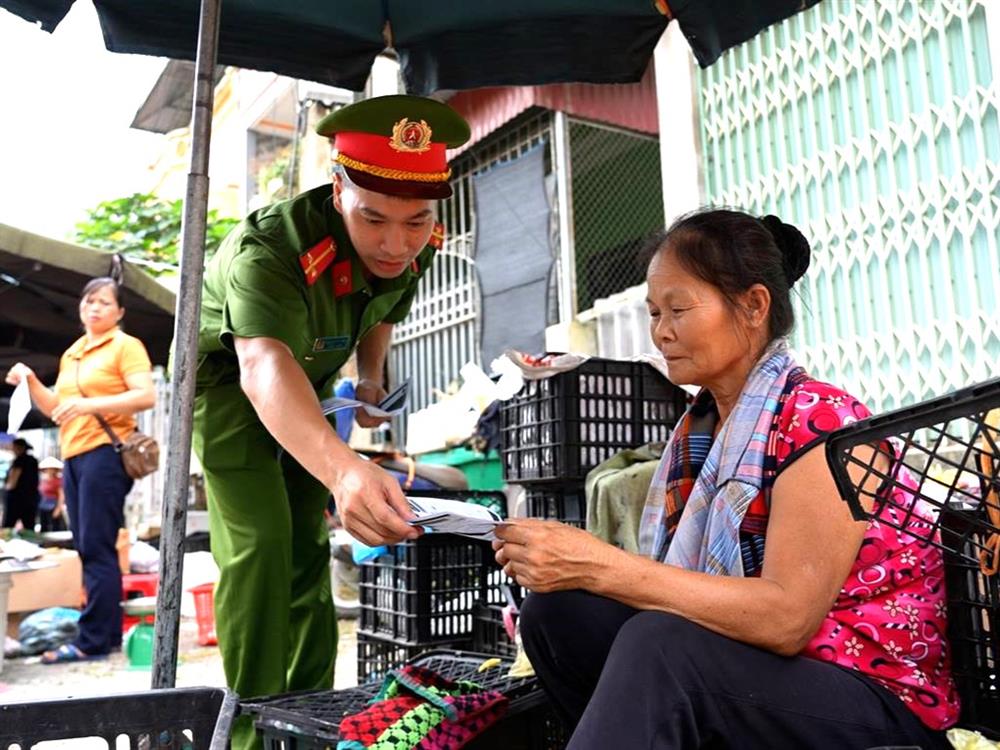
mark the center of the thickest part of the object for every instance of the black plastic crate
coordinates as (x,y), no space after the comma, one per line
(488,633)
(563,502)
(377,654)
(501,589)
(311,721)
(308,720)
(973,625)
(423,590)
(561,427)
(947,448)
(198,718)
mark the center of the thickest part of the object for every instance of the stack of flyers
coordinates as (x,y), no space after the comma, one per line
(390,406)
(439,516)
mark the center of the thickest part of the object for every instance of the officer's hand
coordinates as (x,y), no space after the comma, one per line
(371,504)
(371,393)
(18,371)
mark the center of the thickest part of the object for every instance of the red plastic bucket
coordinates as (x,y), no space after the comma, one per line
(204,610)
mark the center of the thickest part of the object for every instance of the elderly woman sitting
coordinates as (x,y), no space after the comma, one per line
(761,615)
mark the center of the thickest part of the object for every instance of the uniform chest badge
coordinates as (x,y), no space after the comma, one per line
(411,137)
(317,259)
(331,343)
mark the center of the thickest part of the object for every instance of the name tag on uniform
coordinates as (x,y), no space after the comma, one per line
(331,343)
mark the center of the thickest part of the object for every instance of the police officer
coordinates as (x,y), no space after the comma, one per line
(295,289)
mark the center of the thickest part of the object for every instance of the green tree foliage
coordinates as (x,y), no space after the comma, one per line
(145,228)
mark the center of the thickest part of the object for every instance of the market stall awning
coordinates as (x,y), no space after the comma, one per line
(442,44)
(168,104)
(40,283)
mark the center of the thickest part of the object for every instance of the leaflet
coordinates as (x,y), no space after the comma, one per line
(390,406)
(20,405)
(440,516)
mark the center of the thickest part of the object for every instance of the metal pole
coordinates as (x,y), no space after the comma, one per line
(168,601)
(567,241)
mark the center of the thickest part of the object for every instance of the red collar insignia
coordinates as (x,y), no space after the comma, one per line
(437,236)
(317,259)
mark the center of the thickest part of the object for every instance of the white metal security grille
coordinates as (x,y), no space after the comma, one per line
(873,126)
(441,332)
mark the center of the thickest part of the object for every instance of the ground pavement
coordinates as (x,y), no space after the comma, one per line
(28,679)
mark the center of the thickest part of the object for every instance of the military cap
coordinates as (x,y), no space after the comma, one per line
(396,144)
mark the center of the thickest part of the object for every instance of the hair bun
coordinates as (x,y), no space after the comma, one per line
(794,247)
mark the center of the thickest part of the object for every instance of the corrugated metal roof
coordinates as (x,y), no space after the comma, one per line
(628,105)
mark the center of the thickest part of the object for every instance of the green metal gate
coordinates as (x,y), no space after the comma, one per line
(873,126)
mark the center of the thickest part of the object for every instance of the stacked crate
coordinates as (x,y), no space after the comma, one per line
(556,430)
(559,428)
(420,595)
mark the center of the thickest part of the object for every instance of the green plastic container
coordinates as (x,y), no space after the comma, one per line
(138,644)
(482,472)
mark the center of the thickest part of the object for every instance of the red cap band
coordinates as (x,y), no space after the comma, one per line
(375,150)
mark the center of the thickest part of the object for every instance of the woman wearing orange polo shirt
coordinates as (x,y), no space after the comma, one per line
(104,372)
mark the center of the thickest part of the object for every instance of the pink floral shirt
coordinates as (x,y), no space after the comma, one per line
(889,620)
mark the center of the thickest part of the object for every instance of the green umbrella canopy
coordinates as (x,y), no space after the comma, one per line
(442,44)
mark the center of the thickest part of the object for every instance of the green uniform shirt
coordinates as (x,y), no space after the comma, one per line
(256,285)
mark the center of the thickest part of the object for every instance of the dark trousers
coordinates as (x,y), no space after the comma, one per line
(20,508)
(95,486)
(652,681)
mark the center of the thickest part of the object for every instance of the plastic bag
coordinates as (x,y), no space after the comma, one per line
(362,553)
(48,629)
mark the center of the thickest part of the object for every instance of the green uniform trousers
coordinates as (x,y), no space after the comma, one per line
(274,613)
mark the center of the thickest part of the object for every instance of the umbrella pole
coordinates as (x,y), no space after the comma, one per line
(173,527)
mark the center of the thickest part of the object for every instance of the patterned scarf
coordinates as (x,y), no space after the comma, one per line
(702,488)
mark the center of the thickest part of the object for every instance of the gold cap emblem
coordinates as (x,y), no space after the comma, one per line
(411,137)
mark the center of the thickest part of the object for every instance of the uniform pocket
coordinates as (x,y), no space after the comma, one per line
(227,432)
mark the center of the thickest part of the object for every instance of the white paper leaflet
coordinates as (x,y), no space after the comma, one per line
(441,516)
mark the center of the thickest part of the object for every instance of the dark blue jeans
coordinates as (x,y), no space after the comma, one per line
(95,485)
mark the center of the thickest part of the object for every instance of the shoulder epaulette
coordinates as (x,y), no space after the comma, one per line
(317,259)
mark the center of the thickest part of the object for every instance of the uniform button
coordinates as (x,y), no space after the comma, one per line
(342,280)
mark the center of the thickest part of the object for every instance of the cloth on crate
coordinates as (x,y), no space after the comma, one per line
(702,488)
(616,493)
(418,708)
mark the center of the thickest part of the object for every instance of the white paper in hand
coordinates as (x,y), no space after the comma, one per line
(20,405)
(440,516)
(390,406)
